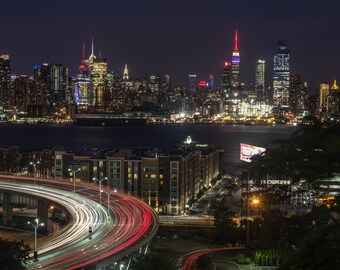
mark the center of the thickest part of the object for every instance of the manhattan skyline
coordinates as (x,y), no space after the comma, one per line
(173,37)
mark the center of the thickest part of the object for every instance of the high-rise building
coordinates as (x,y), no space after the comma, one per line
(55,77)
(323,100)
(235,65)
(99,80)
(210,82)
(226,79)
(334,99)
(192,83)
(281,78)
(299,97)
(83,93)
(28,92)
(5,80)
(260,79)
(59,84)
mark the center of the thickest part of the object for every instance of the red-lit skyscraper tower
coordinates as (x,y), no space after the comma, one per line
(235,65)
(83,95)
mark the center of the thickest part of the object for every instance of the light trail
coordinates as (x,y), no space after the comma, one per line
(189,263)
(132,224)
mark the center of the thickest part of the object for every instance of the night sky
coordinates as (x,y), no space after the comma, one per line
(175,37)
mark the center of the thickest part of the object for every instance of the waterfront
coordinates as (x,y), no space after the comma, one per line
(228,138)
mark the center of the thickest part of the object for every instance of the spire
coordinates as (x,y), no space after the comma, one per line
(126,73)
(335,86)
(92,56)
(83,53)
(92,51)
(236,41)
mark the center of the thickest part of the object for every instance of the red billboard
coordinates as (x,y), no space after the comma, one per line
(247,151)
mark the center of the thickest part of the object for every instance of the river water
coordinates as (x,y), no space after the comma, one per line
(226,137)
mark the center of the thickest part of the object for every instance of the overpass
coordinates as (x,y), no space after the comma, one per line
(120,228)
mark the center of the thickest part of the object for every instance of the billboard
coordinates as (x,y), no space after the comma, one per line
(247,151)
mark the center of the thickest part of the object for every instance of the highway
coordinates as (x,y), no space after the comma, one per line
(131,224)
(193,256)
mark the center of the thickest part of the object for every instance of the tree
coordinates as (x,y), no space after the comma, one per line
(224,226)
(310,154)
(13,254)
(319,250)
(152,261)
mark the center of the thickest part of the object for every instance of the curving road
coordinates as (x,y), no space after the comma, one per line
(192,257)
(131,223)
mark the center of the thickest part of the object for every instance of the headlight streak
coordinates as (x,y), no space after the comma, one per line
(131,223)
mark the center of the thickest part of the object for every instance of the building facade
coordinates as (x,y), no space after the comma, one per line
(166,180)
(260,79)
(281,78)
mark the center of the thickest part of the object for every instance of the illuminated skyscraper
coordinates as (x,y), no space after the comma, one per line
(55,77)
(192,83)
(226,79)
(99,80)
(334,99)
(323,100)
(5,80)
(210,82)
(28,93)
(281,78)
(235,65)
(299,97)
(260,77)
(83,94)
(98,75)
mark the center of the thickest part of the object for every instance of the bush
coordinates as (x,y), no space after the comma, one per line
(242,259)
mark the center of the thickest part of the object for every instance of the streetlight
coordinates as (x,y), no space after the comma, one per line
(247,204)
(74,177)
(36,226)
(34,168)
(100,187)
(108,202)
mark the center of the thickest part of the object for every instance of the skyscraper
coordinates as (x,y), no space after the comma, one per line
(299,97)
(235,65)
(281,78)
(192,83)
(5,80)
(210,82)
(55,77)
(260,79)
(59,84)
(323,100)
(98,75)
(226,79)
(83,94)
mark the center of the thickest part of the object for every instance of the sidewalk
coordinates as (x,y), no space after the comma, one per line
(255,267)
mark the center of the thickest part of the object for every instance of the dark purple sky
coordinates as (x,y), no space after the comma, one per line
(175,37)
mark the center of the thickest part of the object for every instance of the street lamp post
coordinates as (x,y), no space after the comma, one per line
(248,180)
(35,226)
(74,177)
(248,208)
(100,187)
(34,168)
(108,202)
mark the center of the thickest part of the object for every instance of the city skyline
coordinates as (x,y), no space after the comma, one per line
(190,37)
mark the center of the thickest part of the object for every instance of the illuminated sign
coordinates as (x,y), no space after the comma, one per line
(247,151)
(202,83)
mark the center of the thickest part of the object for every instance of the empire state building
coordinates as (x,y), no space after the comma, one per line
(235,65)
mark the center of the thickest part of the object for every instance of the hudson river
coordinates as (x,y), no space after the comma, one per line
(227,138)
